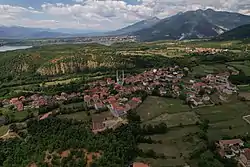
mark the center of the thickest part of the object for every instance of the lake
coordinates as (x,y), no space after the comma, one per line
(11,48)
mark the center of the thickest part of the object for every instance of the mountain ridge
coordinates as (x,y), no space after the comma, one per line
(193,24)
(241,32)
(135,27)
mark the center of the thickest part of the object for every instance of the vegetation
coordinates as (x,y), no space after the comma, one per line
(165,131)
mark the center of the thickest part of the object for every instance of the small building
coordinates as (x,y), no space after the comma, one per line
(99,106)
(230,148)
(98,124)
(139,164)
(229,143)
(244,159)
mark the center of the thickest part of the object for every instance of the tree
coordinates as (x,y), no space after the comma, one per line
(183,96)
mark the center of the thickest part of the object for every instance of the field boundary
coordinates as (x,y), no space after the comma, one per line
(245,118)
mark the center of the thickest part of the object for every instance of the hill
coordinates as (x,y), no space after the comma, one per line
(193,24)
(70,59)
(241,32)
(136,27)
(25,32)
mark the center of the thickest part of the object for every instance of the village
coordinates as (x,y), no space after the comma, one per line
(126,93)
(234,149)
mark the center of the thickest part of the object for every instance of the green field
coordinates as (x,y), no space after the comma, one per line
(153,107)
(226,119)
(61,82)
(20,116)
(178,119)
(208,69)
(3,130)
(243,65)
(244,88)
(177,144)
(81,116)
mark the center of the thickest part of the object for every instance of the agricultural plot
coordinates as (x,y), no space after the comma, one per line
(247,118)
(176,145)
(3,130)
(208,69)
(243,65)
(81,116)
(178,119)
(67,81)
(153,107)
(244,88)
(245,95)
(226,120)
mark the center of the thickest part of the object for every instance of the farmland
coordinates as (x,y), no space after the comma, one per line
(243,65)
(177,145)
(153,107)
(202,70)
(3,130)
(178,119)
(226,120)
(81,116)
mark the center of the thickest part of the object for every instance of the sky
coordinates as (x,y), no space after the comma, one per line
(102,15)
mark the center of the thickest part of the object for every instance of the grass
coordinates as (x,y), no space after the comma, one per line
(226,119)
(61,82)
(209,69)
(244,88)
(81,116)
(79,104)
(177,144)
(3,130)
(178,119)
(243,65)
(20,116)
(153,107)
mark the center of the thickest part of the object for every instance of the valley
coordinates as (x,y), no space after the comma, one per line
(173,99)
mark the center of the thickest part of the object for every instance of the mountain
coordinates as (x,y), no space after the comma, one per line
(241,32)
(136,27)
(16,32)
(193,24)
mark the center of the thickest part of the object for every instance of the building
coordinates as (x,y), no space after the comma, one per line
(244,159)
(230,148)
(139,164)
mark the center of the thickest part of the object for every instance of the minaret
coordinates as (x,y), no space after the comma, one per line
(120,78)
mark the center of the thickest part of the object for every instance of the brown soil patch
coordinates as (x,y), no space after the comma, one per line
(90,157)
(32,165)
(65,154)
(56,60)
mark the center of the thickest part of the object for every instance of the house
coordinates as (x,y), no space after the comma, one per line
(230,148)
(99,106)
(98,124)
(19,106)
(229,143)
(45,116)
(244,159)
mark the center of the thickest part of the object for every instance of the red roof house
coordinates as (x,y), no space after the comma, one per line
(139,164)
(244,159)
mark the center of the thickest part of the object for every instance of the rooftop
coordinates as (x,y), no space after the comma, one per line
(233,142)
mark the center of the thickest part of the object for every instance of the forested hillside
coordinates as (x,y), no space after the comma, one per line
(242,32)
(66,59)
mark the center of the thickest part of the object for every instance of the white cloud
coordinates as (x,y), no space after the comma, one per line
(108,14)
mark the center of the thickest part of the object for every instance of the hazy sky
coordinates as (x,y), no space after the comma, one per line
(102,14)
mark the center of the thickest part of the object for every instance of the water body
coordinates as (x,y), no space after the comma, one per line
(11,48)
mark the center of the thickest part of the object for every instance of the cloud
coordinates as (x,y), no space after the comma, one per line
(108,14)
